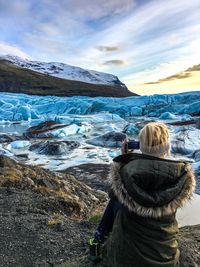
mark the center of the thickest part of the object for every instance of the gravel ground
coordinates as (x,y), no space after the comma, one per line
(189,243)
(27,240)
(35,231)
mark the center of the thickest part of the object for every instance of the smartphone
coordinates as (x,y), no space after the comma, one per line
(132,144)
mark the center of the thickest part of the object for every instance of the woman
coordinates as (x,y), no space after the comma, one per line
(147,190)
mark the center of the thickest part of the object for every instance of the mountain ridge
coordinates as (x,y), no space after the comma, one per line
(65,71)
(18,79)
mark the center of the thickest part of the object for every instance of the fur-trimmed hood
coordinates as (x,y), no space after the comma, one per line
(150,186)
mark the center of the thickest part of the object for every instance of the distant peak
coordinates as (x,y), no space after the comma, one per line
(65,71)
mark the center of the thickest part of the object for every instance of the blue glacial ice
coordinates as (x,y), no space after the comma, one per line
(72,129)
(168,116)
(89,120)
(185,140)
(131,129)
(18,107)
(18,144)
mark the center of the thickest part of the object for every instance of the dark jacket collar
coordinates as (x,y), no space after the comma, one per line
(124,159)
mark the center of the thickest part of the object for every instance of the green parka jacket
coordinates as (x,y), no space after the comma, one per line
(150,190)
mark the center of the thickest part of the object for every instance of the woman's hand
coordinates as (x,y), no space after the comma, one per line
(124,147)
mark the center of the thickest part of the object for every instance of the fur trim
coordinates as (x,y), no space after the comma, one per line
(152,212)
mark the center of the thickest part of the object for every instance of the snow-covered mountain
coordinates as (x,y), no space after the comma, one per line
(65,71)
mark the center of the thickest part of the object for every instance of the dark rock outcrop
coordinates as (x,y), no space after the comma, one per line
(93,175)
(63,192)
(54,147)
(110,139)
(41,129)
(4,138)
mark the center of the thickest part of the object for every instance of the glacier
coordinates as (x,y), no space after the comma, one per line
(15,107)
(96,123)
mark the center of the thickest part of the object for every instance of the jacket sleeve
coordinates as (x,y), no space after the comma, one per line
(111,195)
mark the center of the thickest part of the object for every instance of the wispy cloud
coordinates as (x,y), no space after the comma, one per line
(194,68)
(104,48)
(89,9)
(167,64)
(12,50)
(182,75)
(188,80)
(157,38)
(116,62)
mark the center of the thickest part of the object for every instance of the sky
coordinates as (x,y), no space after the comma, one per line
(153,46)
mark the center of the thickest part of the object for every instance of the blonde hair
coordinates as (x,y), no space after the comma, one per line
(154,139)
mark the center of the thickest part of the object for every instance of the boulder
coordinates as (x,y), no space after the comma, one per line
(110,139)
(51,129)
(40,130)
(54,147)
(4,138)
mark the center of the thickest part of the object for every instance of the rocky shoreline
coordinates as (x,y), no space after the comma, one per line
(47,217)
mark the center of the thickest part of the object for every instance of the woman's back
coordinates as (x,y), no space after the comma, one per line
(144,231)
(141,243)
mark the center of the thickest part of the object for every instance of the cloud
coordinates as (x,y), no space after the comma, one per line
(94,9)
(103,48)
(116,62)
(15,7)
(12,50)
(182,75)
(173,77)
(155,34)
(194,68)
